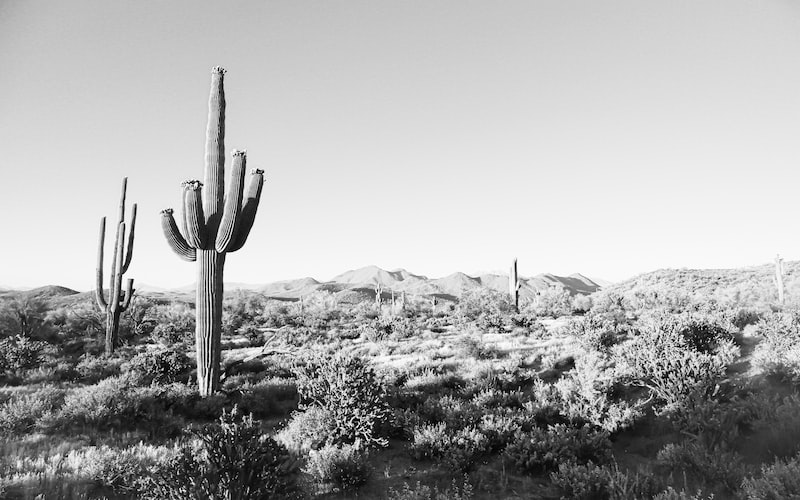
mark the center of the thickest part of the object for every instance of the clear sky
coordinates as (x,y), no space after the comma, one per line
(609,138)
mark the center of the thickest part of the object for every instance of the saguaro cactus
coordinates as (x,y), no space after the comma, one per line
(779,279)
(378,294)
(514,285)
(213,225)
(118,300)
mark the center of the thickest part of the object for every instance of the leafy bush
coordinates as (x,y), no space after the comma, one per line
(233,460)
(20,414)
(459,449)
(170,334)
(481,300)
(778,353)
(491,322)
(391,327)
(307,430)
(600,482)
(664,361)
(718,466)
(778,481)
(161,366)
(345,467)
(19,353)
(423,492)
(553,302)
(348,388)
(543,449)
(92,369)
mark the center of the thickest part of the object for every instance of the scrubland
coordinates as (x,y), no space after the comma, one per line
(639,391)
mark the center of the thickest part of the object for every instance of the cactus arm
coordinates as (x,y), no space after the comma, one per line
(195,230)
(128,295)
(215,150)
(249,209)
(129,253)
(231,216)
(117,284)
(101,300)
(174,237)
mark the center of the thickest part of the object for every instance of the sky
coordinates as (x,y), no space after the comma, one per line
(608,138)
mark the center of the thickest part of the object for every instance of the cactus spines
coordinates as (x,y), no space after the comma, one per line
(118,300)
(514,285)
(212,226)
(779,279)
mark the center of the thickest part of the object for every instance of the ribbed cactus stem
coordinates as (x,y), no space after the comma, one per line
(214,226)
(514,285)
(779,279)
(117,301)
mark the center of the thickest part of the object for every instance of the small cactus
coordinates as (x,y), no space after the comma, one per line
(378,294)
(118,300)
(514,285)
(778,279)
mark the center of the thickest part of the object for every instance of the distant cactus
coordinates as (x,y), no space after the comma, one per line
(118,300)
(213,225)
(433,304)
(514,285)
(778,279)
(378,294)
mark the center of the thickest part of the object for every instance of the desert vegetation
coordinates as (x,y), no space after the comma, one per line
(633,392)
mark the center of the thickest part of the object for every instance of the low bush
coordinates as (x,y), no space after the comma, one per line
(778,353)
(348,388)
(20,414)
(19,353)
(716,467)
(543,449)
(420,491)
(778,481)
(344,467)
(160,366)
(232,459)
(459,449)
(601,482)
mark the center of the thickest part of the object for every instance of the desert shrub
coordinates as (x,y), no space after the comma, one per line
(587,394)
(718,466)
(391,327)
(473,346)
(481,300)
(664,361)
(459,449)
(543,449)
(161,366)
(348,388)
(92,369)
(267,397)
(170,334)
(600,482)
(778,353)
(345,467)
(21,413)
(420,491)
(232,460)
(553,302)
(744,316)
(306,430)
(112,403)
(491,322)
(672,494)
(19,353)
(778,481)
(253,334)
(777,425)
(597,332)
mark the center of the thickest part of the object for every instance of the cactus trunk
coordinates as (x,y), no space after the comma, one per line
(212,226)
(208,327)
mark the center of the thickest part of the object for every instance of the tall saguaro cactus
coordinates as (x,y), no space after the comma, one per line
(118,300)
(514,285)
(779,279)
(213,225)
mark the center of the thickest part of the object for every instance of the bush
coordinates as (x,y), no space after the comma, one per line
(777,481)
(170,334)
(422,492)
(599,482)
(458,449)
(21,414)
(543,449)
(345,467)
(306,430)
(778,353)
(92,369)
(481,300)
(233,460)
(160,366)
(717,466)
(348,388)
(19,353)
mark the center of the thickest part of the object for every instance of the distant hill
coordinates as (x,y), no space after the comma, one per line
(752,286)
(360,283)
